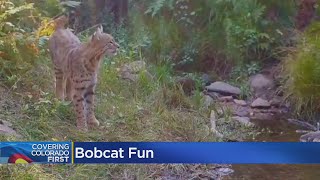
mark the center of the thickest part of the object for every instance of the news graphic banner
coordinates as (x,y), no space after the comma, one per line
(160,152)
(35,152)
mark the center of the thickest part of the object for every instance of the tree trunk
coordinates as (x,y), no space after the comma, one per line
(92,12)
(305,14)
(119,8)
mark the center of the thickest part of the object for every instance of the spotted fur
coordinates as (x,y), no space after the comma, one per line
(76,68)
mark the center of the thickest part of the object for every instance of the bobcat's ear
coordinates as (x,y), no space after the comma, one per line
(100,28)
(93,36)
(97,33)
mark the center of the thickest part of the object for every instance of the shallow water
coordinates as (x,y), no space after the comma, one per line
(281,131)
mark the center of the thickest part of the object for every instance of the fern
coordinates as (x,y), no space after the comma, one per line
(156,5)
(18,48)
(13,10)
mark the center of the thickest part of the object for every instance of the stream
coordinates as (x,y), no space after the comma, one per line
(278,131)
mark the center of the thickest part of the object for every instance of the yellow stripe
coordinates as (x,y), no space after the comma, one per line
(72,155)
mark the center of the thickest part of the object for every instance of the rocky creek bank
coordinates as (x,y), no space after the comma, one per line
(263,107)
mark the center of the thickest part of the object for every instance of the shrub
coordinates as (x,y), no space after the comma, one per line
(18,46)
(193,33)
(302,70)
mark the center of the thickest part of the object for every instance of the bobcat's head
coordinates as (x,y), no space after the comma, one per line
(60,22)
(104,42)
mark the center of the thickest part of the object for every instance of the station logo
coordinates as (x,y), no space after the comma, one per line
(35,152)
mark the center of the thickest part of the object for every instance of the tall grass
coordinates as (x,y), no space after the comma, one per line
(302,69)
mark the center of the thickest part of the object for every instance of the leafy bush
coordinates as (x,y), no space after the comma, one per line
(22,44)
(302,71)
(49,8)
(187,32)
(18,47)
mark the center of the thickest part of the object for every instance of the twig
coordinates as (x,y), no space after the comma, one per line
(213,124)
(92,27)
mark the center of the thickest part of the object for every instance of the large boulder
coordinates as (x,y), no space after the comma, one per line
(262,86)
(223,88)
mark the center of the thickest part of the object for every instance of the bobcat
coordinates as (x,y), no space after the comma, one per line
(76,68)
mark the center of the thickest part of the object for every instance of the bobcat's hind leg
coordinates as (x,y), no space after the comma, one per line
(60,84)
(69,90)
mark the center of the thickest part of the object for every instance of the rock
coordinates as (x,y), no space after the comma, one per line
(129,76)
(208,101)
(6,123)
(240,102)
(223,88)
(134,67)
(262,116)
(276,101)
(131,71)
(206,79)
(225,99)
(225,171)
(213,95)
(311,137)
(243,120)
(241,111)
(260,103)
(6,130)
(273,111)
(188,85)
(235,109)
(262,86)
(220,111)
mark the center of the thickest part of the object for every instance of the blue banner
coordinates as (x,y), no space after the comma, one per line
(198,153)
(160,152)
(35,152)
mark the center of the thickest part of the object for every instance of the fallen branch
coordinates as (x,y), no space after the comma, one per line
(303,124)
(213,120)
(303,131)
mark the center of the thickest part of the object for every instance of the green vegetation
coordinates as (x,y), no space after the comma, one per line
(148,110)
(240,31)
(18,50)
(303,73)
(228,39)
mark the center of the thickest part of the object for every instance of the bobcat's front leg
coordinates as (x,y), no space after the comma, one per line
(79,107)
(89,100)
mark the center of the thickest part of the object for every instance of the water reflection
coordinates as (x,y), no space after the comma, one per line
(277,131)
